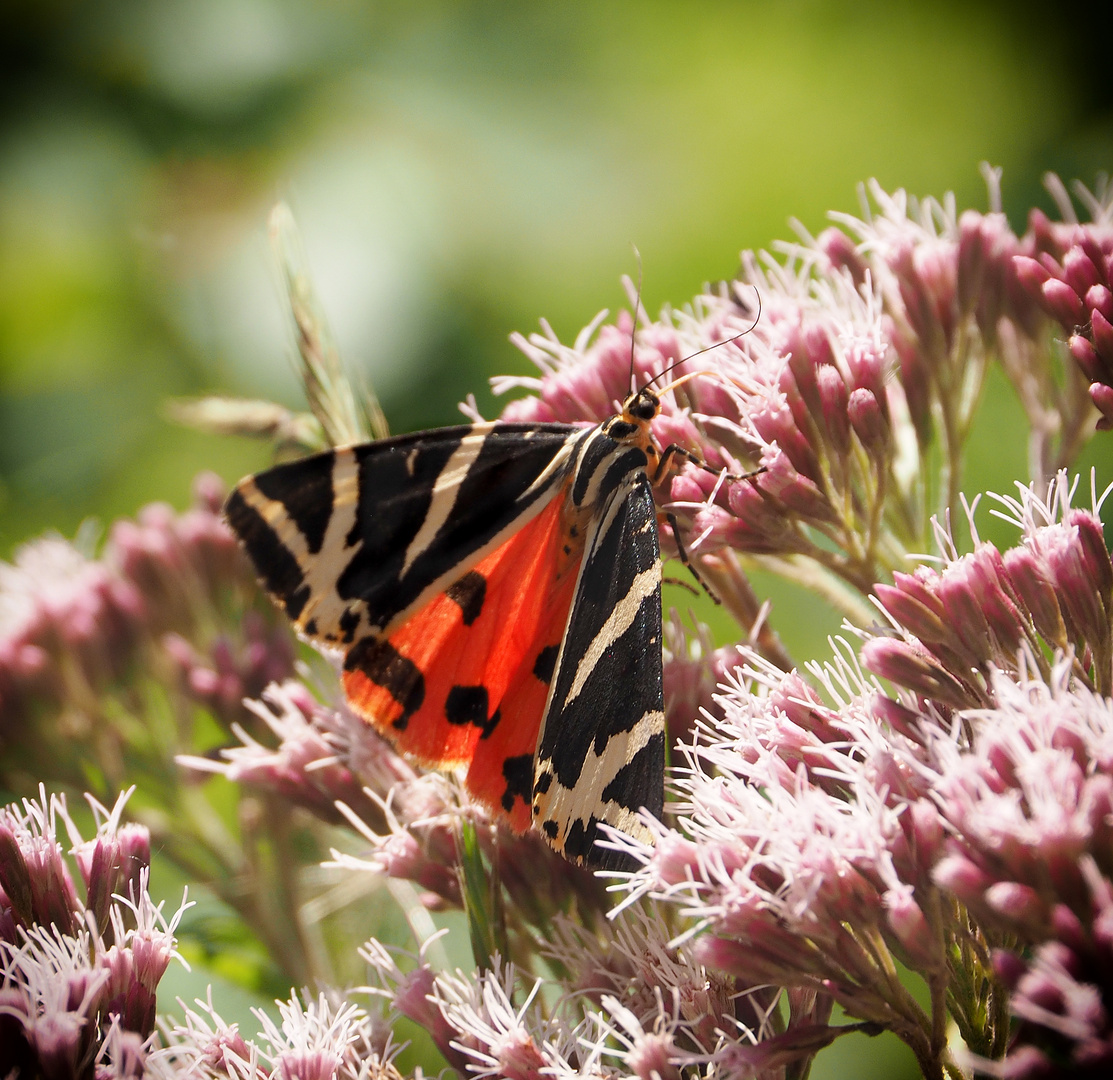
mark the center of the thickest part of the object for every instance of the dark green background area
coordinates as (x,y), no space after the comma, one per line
(459,171)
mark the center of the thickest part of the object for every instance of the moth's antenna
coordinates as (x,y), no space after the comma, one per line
(637,310)
(708,348)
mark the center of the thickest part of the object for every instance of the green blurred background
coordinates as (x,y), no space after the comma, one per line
(458,170)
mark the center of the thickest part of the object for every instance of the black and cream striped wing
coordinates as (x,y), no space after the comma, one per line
(354,540)
(601,752)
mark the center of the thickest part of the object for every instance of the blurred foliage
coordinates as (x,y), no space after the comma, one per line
(458,170)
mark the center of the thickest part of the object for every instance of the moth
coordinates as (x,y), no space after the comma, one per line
(496,591)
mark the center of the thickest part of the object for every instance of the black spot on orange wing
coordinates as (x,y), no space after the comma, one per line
(468,594)
(545,663)
(538,593)
(518,774)
(380,662)
(469,705)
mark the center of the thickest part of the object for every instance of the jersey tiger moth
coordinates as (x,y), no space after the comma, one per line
(496,589)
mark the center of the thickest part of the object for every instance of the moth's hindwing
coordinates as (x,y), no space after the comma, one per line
(464,681)
(601,754)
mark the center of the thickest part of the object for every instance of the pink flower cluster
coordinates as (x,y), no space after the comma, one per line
(826,827)
(322,1038)
(77,977)
(1067,269)
(1053,592)
(822,834)
(1028,807)
(72,626)
(331,763)
(650,1010)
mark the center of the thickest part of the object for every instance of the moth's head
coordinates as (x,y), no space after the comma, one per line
(641,407)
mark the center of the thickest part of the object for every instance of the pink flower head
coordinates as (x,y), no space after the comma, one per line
(34,874)
(114,863)
(493,1036)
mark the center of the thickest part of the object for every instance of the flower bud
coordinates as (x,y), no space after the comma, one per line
(775,423)
(1101,330)
(15,878)
(1099,299)
(1062,302)
(968,630)
(960,876)
(1030,580)
(1030,273)
(1096,564)
(113,863)
(770,956)
(1020,904)
(926,832)
(1102,397)
(1009,967)
(795,490)
(1069,930)
(913,668)
(842,254)
(910,612)
(1079,271)
(902,720)
(906,920)
(869,422)
(675,859)
(1082,578)
(757,526)
(1087,358)
(833,401)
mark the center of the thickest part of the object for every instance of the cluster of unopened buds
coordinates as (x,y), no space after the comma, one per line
(1051,593)
(1069,271)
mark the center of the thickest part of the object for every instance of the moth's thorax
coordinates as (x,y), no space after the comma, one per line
(631,427)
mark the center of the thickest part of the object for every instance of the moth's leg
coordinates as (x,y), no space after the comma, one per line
(680,583)
(664,463)
(675,450)
(670,517)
